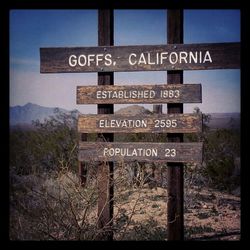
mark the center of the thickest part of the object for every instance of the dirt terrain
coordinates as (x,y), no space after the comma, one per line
(208,215)
(140,212)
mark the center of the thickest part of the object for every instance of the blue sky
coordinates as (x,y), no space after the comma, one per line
(32,29)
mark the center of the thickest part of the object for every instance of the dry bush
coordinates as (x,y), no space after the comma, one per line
(48,207)
(55,206)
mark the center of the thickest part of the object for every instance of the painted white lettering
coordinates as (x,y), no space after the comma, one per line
(114,95)
(183,56)
(164,56)
(101,124)
(130,57)
(117,151)
(108,60)
(157,58)
(142,59)
(134,94)
(90,59)
(193,56)
(173,58)
(151,94)
(82,60)
(112,123)
(72,60)
(154,151)
(99,94)
(207,57)
(170,152)
(149,59)
(98,59)
(105,151)
(132,152)
(123,123)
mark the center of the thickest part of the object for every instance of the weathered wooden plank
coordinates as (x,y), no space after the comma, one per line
(155,123)
(174,93)
(143,152)
(140,58)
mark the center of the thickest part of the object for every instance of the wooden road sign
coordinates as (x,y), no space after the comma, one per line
(140,58)
(143,152)
(157,123)
(174,93)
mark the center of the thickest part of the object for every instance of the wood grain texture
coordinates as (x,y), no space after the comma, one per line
(156,123)
(56,60)
(183,93)
(105,171)
(142,152)
(175,215)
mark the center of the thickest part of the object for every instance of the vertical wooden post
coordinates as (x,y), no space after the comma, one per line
(105,171)
(83,166)
(157,108)
(175,170)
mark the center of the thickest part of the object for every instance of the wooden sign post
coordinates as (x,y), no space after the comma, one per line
(175,170)
(106,59)
(105,169)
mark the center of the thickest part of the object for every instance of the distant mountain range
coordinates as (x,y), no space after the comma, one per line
(22,116)
(30,112)
(224,120)
(133,110)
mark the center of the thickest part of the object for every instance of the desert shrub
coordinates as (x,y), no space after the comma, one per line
(221,148)
(54,206)
(47,202)
(51,145)
(51,207)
